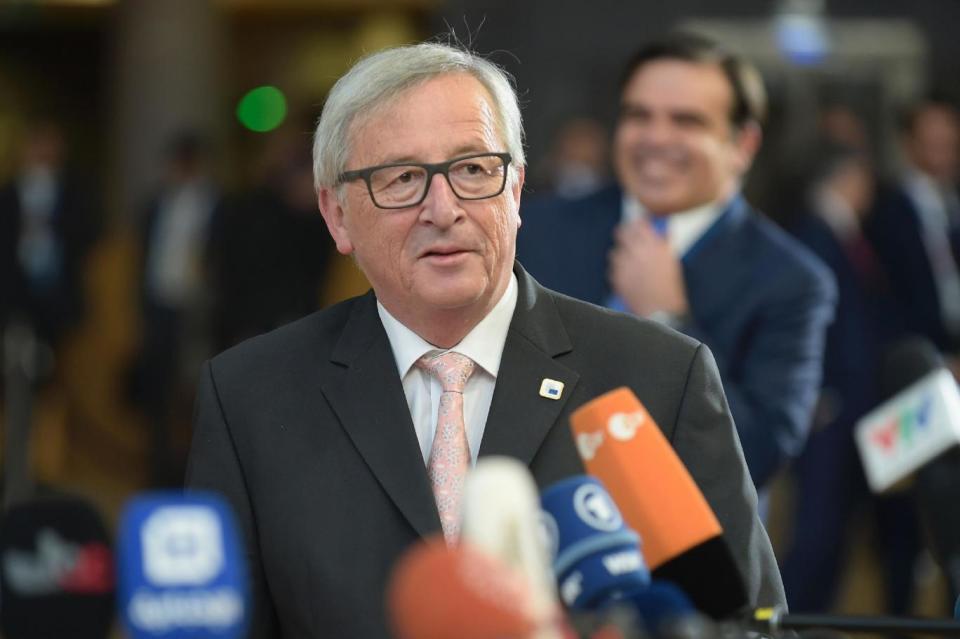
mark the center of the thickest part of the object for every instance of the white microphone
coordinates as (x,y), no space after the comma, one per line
(502,516)
(909,429)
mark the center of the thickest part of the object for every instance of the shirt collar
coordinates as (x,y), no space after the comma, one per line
(484,344)
(684,228)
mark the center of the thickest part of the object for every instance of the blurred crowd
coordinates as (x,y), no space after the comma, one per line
(216,265)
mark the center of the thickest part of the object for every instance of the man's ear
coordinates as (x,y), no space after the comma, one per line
(333,215)
(747,142)
(517,188)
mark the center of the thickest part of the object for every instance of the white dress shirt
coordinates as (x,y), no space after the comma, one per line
(484,345)
(684,228)
(173,271)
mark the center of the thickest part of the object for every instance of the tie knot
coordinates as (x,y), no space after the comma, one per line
(451,369)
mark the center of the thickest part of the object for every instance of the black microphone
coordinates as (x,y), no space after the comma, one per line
(56,571)
(908,367)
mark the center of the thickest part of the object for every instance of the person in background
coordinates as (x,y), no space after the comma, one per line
(270,248)
(674,240)
(48,225)
(577,164)
(829,484)
(175,287)
(916,225)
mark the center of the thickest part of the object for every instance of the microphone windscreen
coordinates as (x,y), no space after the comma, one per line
(596,557)
(622,446)
(182,570)
(501,517)
(659,605)
(683,542)
(439,592)
(57,576)
(906,362)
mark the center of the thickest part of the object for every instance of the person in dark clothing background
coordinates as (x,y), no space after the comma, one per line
(48,225)
(270,251)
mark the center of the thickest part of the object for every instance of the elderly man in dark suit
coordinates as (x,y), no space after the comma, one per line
(676,241)
(342,439)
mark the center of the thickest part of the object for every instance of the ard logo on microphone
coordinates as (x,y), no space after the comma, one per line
(594,507)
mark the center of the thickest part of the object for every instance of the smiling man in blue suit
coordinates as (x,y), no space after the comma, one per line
(675,240)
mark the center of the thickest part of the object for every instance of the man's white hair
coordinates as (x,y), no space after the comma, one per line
(378,78)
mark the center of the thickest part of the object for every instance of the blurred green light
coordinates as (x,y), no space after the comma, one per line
(262,109)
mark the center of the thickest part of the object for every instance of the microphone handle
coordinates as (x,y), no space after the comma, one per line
(772,620)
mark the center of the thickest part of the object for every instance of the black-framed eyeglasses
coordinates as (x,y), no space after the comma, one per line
(403,184)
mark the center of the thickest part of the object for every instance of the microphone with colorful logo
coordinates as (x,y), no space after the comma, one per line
(56,571)
(683,542)
(181,566)
(918,423)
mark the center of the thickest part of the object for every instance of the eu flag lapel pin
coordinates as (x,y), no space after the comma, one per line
(551,389)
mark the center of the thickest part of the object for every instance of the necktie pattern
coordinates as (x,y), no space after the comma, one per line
(450,453)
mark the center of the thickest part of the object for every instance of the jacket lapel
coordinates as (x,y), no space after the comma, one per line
(367,395)
(519,417)
(712,265)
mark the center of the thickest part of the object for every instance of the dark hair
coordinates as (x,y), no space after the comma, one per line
(908,116)
(830,157)
(749,96)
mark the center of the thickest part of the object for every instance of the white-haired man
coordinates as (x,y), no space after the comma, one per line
(322,433)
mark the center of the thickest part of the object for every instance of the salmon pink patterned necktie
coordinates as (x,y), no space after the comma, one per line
(450,453)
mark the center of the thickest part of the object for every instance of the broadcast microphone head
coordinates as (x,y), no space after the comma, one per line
(683,542)
(181,568)
(596,557)
(917,423)
(661,607)
(501,516)
(907,362)
(57,576)
(438,592)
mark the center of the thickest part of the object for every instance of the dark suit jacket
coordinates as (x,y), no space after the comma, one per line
(865,324)
(758,299)
(76,226)
(306,431)
(894,228)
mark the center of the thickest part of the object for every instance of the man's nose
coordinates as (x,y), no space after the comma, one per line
(656,131)
(441,206)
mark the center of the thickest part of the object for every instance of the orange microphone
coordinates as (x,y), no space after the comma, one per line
(441,592)
(682,541)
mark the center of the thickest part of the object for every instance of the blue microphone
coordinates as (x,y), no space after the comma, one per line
(659,606)
(181,568)
(956,609)
(596,557)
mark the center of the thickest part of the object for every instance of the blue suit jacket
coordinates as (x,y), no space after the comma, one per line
(758,299)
